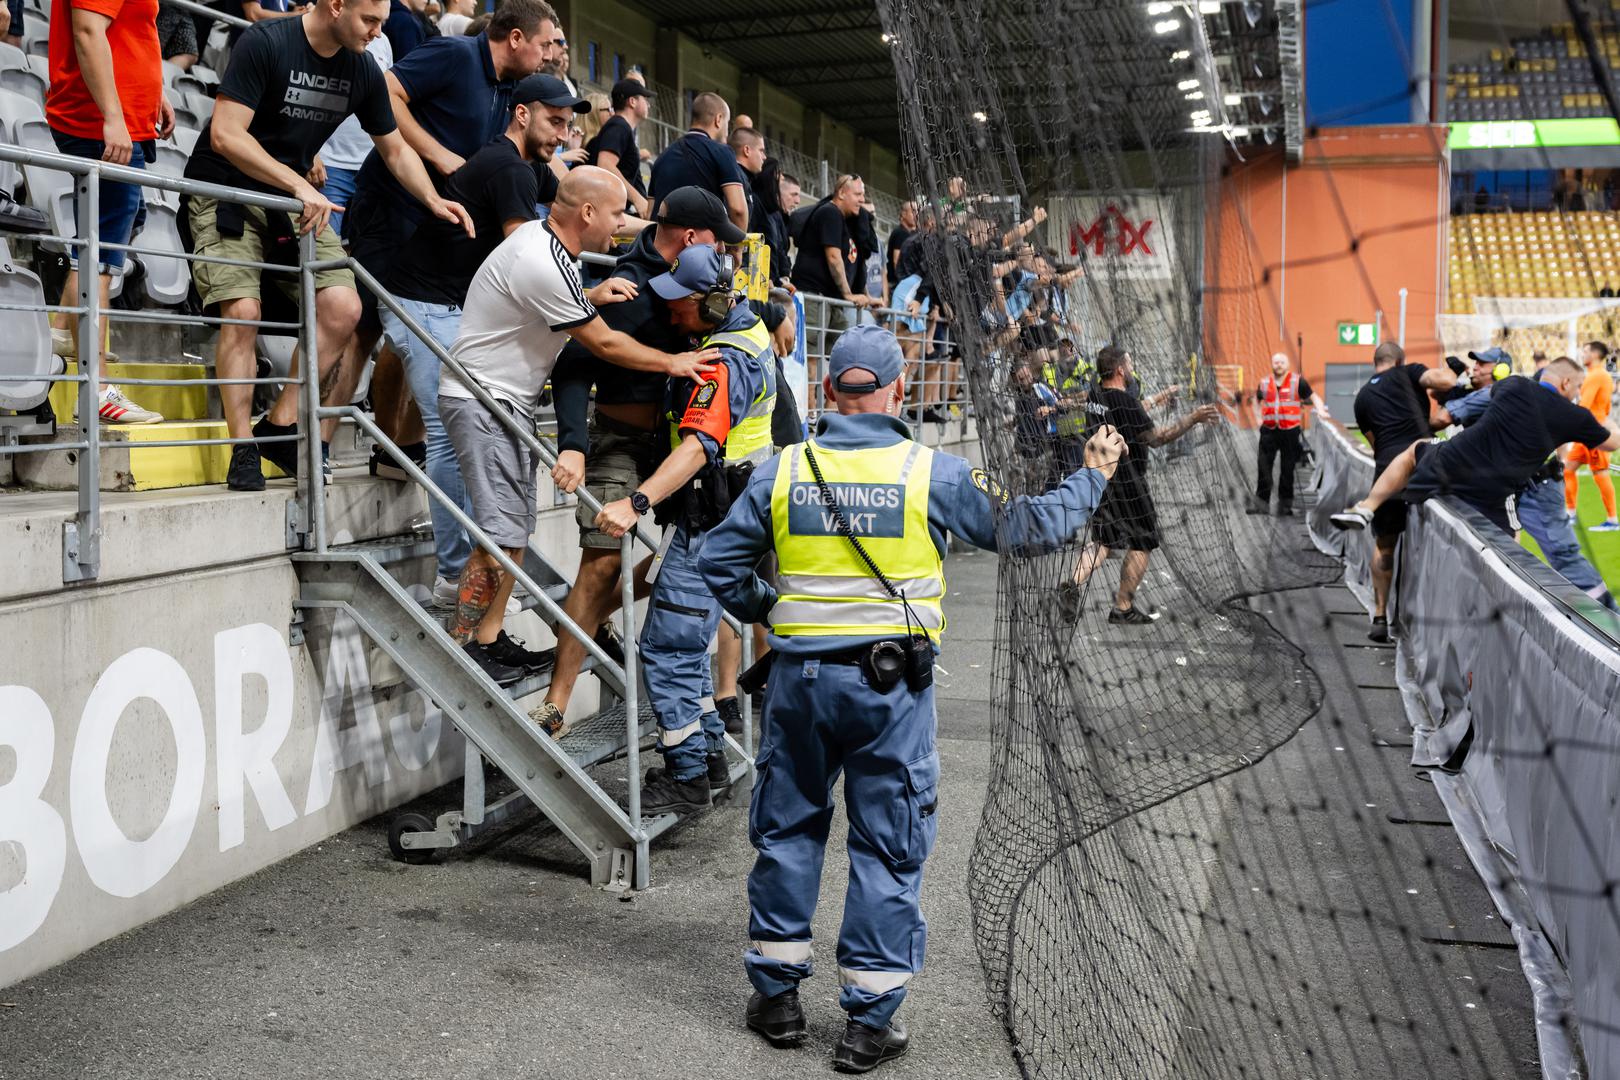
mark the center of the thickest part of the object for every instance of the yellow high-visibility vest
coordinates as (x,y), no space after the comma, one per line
(824,589)
(750,440)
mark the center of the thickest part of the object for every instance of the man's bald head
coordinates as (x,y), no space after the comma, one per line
(590,203)
(1279,363)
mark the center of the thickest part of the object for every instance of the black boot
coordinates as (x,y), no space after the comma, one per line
(779,1020)
(719,771)
(1285,509)
(863,1048)
(662,794)
(730,710)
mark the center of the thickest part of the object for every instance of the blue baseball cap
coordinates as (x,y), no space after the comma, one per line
(695,270)
(867,348)
(1493,355)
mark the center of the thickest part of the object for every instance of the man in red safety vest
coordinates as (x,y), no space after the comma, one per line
(1280,401)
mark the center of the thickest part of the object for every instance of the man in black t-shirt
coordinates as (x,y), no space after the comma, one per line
(1126,518)
(825,263)
(1488,464)
(290,84)
(700,158)
(500,187)
(615,146)
(748,147)
(1392,412)
(897,239)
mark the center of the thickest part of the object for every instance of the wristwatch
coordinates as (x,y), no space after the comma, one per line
(639,502)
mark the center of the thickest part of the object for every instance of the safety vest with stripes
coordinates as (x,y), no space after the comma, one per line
(750,439)
(1070,424)
(1280,407)
(824,589)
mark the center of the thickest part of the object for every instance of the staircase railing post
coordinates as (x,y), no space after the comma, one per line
(314,485)
(632,688)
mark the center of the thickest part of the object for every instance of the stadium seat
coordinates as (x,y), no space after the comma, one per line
(25,347)
(49,190)
(19,76)
(168,280)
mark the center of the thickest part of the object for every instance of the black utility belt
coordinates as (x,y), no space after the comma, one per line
(886,662)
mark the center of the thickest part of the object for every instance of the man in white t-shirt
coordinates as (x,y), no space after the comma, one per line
(527,301)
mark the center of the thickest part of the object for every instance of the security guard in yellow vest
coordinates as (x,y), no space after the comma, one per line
(719,431)
(1069,377)
(851,687)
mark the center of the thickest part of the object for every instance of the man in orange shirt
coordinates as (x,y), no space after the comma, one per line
(1597,396)
(106,103)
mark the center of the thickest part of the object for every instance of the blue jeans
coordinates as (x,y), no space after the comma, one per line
(1541,513)
(122,209)
(339,188)
(822,720)
(422,372)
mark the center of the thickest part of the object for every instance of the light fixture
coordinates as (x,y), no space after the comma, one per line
(1180,54)
(1166,26)
(1233,99)
(888,38)
(981,117)
(1196,95)
(1187,84)
(1159,8)
(1209,7)
(1240,133)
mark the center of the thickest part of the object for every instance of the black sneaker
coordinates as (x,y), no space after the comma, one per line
(1069,605)
(385,466)
(1379,631)
(608,640)
(730,710)
(512,653)
(246,474)
(1285,510)
(283,455)
(719,771)
(863,1048)
(1131,616)
(503,674)
(779,1020)
(662,794)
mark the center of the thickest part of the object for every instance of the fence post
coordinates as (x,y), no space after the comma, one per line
(314,485)
(1400,338)
(81,540)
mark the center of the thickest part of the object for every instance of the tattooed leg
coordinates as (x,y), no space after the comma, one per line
(480,585)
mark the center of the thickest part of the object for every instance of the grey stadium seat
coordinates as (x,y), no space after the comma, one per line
(20,76)
(168,280)
(49,190)
(25,347)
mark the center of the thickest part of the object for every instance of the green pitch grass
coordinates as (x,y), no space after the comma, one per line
(1602,549)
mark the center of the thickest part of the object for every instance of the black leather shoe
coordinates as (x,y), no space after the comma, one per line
(863,1048)
(246,474)
(779,1020)
(512,653)
(663,794)
(283,455)
(719,771)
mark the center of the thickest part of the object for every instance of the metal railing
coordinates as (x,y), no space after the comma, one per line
(81,541)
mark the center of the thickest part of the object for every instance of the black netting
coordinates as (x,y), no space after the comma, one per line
(1157,890)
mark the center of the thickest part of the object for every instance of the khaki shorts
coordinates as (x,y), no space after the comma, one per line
(620,457)
(216,283)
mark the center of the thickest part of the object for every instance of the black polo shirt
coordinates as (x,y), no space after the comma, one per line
(438,263)
(697,160)
(618,137)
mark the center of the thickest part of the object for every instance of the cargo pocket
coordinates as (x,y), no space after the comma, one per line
(679,620)
(758,824)
(921,809)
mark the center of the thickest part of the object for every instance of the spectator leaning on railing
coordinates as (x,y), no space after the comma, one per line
(106,103)
(826,256)
(269,121)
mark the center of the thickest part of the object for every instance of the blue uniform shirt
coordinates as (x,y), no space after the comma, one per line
(741,380)
(962,501)
(1465,410)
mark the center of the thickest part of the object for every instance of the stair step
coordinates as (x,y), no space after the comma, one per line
(174,402)
(600,737)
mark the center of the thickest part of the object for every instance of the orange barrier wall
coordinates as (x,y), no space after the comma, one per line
(1295,250)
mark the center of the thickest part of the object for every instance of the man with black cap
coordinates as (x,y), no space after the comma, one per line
(719,431)
(501,188)
(623,441)
(857,519)
(615,147)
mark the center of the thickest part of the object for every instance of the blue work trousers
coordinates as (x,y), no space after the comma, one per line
(1542,514)
(821,720)
(681,621)
(450,542)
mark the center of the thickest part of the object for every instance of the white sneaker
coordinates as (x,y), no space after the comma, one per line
(65,343)
(1357,517)
(118,409)
(447,592)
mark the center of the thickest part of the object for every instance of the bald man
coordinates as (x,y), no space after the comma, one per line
(1281,400)
(525,302)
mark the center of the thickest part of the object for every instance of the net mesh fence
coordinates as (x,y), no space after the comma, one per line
(1156,891)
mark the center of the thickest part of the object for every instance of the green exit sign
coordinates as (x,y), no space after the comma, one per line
(1351,333)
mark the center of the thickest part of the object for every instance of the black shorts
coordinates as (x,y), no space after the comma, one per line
(375,228)
(1126,518)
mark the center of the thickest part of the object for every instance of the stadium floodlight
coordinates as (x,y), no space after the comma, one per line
(1159,8)
(1167,26)
(888,39)
(1196,95)
(981,117)
(1187,84)
(1232,99)
(1239,132)
(1180,54)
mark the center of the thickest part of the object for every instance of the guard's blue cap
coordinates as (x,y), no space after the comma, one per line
(1493,355)
(695,270)
(868,348)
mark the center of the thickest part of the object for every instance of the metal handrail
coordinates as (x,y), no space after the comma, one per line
(145,178)
(212,13)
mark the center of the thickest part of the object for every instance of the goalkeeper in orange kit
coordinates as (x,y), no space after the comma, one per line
(1597,395)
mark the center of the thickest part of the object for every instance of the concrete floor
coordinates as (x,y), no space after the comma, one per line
(341,962)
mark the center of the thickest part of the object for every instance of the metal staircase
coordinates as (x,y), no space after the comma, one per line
(552,775)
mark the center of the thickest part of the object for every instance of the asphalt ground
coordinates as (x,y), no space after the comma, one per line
(502,961)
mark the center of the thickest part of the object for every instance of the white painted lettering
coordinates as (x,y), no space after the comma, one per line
(338,749)
(255,649)
(28,823)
